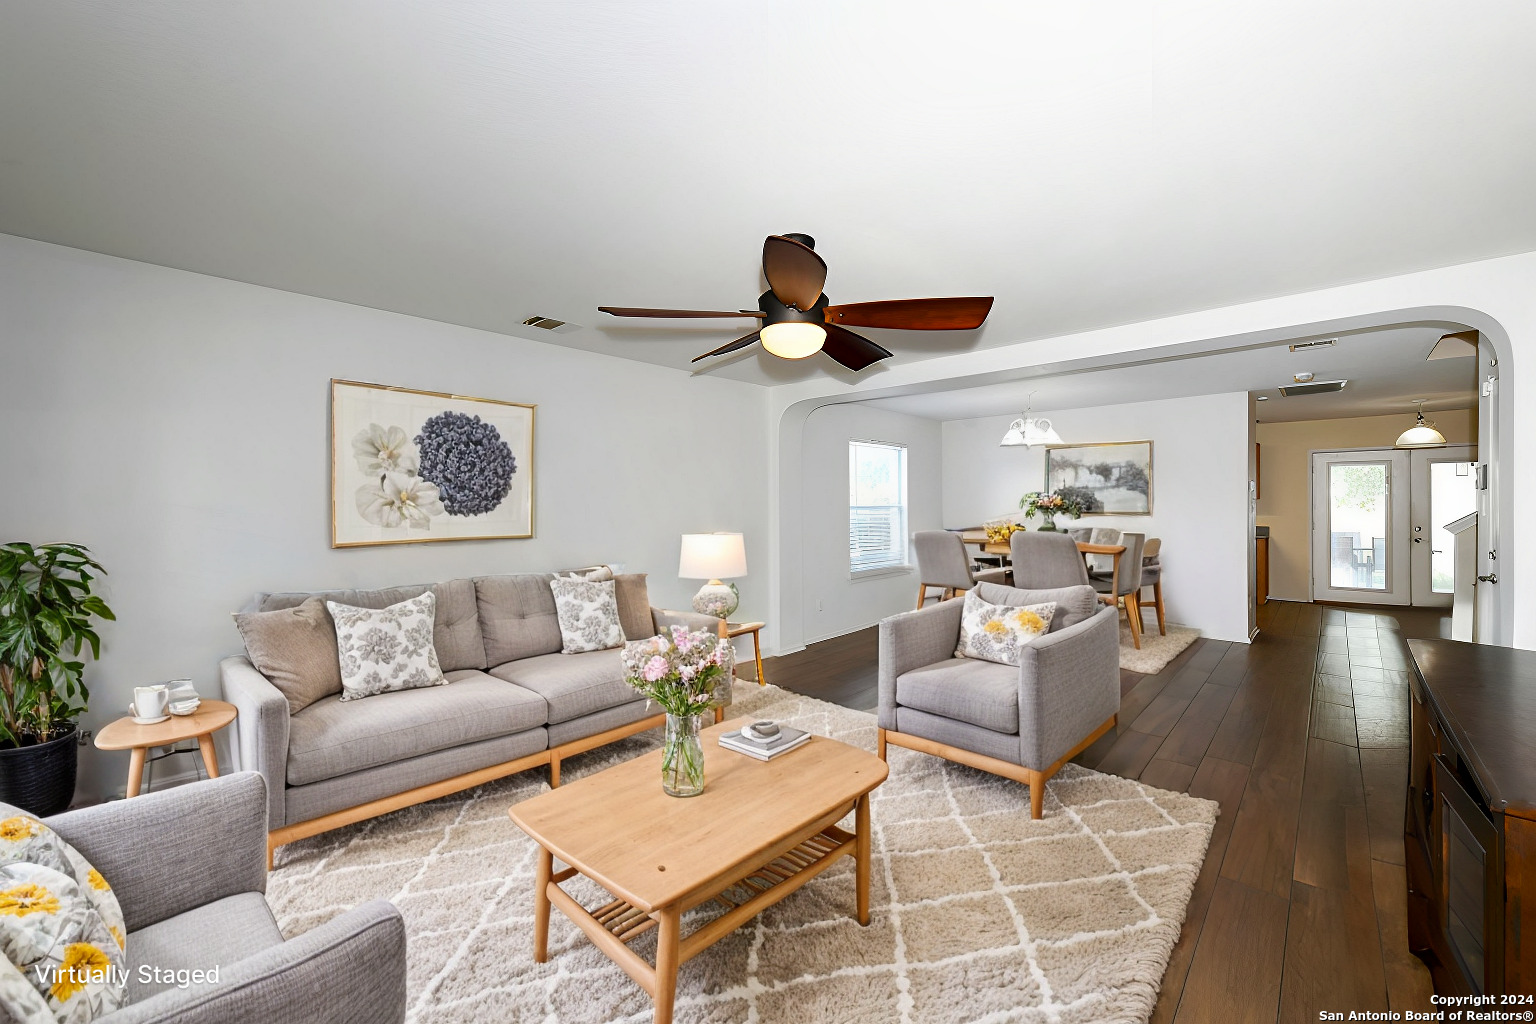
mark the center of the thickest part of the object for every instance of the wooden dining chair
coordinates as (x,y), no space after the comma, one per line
(1152,576)
(942,563)
(1123,585)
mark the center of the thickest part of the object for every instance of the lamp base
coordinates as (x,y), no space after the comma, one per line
(717,599)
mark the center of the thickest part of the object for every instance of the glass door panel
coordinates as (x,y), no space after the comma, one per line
(1444,490)
(1359,512)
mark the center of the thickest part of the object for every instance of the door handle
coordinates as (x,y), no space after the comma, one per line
(1492,577)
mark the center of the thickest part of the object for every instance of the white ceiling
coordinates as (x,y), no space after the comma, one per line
(1386,370)
(479,161)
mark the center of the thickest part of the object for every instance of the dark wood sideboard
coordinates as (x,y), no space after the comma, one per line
(1470,826)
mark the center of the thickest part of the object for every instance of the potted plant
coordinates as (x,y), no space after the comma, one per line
(679,670)
(46,608)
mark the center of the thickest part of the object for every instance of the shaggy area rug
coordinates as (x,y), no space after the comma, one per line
(979,913)
(1156,650)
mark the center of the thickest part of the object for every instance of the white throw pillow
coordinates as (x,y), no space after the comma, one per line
(386,649)
(589,615)
(998,632)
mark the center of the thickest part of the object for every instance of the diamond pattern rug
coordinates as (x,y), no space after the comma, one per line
(979,913)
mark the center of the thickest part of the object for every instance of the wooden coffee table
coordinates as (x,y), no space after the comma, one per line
(759,831)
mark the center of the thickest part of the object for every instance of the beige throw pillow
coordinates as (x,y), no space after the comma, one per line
(386,649)
(634,606)
(997,632)
(588,613)
(295,648)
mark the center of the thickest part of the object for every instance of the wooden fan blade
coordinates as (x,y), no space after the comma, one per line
(739,343)
(960,314)
(678,314)
(794,271)
(852,350)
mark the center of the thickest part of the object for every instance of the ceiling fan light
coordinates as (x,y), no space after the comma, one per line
(793,339)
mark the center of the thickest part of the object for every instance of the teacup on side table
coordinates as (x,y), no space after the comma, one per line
(125,734)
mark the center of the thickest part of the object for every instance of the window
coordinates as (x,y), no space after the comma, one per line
(877,505)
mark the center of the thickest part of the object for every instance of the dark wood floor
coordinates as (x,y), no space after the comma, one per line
(1302,737)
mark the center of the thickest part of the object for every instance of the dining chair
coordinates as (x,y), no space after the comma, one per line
(1102,535)
(1045,561)
(1152,576)
(1123,585)
(943,563)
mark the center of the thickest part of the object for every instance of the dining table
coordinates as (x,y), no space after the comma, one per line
(1003,549)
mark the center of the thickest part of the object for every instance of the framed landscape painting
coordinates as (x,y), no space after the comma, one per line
(414,466)
(1109,479)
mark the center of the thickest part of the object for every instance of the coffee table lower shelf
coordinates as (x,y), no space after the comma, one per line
(615,924)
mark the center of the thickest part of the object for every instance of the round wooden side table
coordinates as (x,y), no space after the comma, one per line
(126,734)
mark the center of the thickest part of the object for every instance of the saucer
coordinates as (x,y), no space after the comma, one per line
(149,721)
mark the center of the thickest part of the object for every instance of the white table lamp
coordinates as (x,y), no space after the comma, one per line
(713,557)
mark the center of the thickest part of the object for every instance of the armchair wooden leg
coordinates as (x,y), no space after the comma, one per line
(922,595)
(1133,613)
(880,743)
(1157,596)
(1036,795)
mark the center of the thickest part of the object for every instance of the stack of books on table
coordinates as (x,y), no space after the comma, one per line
(787,739)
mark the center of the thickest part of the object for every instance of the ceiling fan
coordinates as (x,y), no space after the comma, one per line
(797,321)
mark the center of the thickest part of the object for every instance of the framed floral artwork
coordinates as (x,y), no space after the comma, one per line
(413,466)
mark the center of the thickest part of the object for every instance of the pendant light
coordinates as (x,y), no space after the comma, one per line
(1422,434)
(1029,430)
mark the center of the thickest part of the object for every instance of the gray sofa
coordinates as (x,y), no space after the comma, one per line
(188,868)
(1022,722)
(514,702)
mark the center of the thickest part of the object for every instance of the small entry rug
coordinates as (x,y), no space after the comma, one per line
(1156,650)
(979,913)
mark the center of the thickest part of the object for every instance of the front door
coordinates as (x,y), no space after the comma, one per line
(1360,517)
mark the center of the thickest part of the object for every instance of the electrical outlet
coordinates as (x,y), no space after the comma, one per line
(84,739)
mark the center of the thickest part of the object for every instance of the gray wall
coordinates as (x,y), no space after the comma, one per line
(178,425)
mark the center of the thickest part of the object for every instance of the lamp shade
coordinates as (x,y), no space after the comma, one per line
(712,556)
(1029,431)
(1421,435)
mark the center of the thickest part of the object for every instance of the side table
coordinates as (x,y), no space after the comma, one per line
(126,734)
(736,629)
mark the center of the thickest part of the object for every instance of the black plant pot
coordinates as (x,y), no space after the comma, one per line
(40,779)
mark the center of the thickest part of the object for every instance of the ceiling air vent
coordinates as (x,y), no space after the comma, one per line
(1320,387)
(1324,343)
(543,322)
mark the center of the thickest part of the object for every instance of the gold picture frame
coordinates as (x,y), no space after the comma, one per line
(391,452)
(1115,484)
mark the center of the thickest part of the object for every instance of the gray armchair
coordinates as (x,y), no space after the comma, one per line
(1021,722)
(189,867)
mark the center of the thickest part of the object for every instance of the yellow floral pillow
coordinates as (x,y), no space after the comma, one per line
(998,632)
(61,930)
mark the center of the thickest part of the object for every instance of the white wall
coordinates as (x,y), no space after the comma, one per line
(177,425)
(836,604)
(1199,492)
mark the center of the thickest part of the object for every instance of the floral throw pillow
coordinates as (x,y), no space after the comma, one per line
(588,611)
(998,632)
(386,649)
(62,937)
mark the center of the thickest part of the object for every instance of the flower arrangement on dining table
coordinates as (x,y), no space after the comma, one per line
(1050,505)
(998,533)
(679,670)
